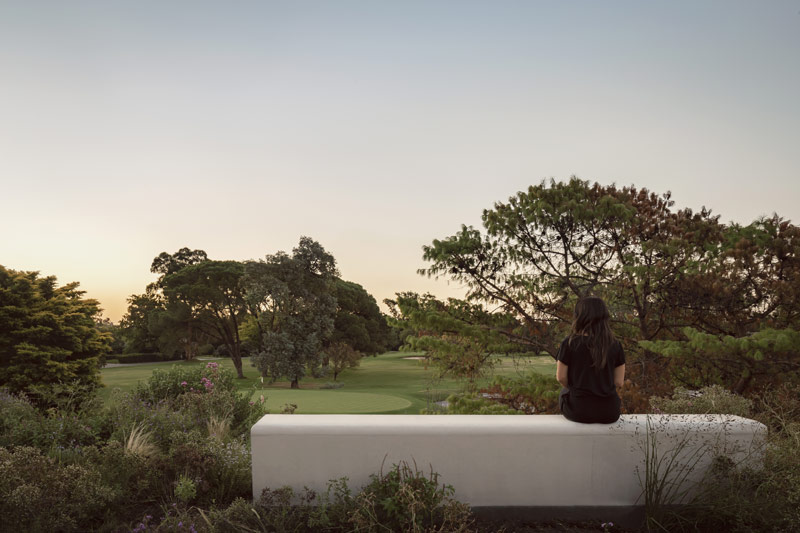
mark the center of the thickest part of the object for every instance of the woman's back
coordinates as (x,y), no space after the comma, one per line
(584,378)
(590,365)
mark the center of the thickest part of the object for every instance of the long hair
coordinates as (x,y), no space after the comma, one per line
(591,321)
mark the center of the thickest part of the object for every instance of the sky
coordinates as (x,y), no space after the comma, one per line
(132,128)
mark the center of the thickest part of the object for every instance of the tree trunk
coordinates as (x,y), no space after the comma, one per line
(236,356)
(295,383)
(237,363)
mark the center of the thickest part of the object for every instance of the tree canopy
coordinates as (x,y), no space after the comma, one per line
(659,269)
(48,334)
(292,300)
(211,293)
(358,321)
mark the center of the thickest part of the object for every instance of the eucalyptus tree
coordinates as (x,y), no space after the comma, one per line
(291,298)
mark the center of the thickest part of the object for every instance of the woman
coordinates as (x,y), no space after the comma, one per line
(590,365)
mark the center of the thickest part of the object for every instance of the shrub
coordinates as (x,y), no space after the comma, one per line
(169,384)
(708,400)
(160,420)
(21,424)
(473,404)
(532,393)
(403,499)
(38,494)
(746,499)
(406,499)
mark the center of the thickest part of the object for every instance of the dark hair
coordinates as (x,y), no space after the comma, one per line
(591,321)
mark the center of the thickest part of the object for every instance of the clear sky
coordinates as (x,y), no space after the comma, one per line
(136,127)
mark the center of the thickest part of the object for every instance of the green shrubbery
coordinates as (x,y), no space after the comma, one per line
(402,499)
(530,393)
(101,467)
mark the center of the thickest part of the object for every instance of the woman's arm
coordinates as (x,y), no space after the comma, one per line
(561,374)
(619,375)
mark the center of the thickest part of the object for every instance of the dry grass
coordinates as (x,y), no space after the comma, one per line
(218,428)
(140,442)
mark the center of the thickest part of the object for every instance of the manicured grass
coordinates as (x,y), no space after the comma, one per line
(388,383)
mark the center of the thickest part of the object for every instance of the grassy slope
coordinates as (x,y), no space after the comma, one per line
(388,383)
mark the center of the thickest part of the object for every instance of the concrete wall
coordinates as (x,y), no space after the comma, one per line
(496,461)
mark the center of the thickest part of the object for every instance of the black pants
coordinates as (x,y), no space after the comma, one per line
(589,409)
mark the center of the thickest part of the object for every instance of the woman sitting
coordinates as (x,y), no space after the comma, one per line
(590,365)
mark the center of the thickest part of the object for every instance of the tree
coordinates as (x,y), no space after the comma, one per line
(761,360)
(138,325)
(291,298)
(213,295)
(113,332)
(459,339)
(166,264)
(174,323)
(358,321)
(659,270)
(341,356)
(48,334)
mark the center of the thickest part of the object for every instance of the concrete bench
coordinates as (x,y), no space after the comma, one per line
(542,465)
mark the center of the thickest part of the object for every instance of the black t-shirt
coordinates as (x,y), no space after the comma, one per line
(583,378)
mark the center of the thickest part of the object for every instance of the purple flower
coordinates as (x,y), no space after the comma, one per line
(183,383)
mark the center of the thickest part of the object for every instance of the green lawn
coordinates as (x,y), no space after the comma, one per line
(388,383)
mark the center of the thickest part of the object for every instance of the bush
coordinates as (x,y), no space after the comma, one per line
(473,404)
(21,424)
(532,393)
(746,499)
(406,499)
(38,494)
(171,383)
(403,499)
(708,400)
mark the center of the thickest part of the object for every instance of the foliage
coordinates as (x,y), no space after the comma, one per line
(460,339)
(154,324)
(341,356)
(403,499)
(113,332)
(21,424)
(292,300)
(406,499)
(47,334)
(531,393)
(708,400)
(213,295)
(358,321)
(475,404)
(39,494)
(659,270)
(756,361)
(737,498)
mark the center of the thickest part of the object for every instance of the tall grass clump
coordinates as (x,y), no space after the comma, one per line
(738,497)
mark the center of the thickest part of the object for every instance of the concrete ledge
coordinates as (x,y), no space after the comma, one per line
(498,461)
